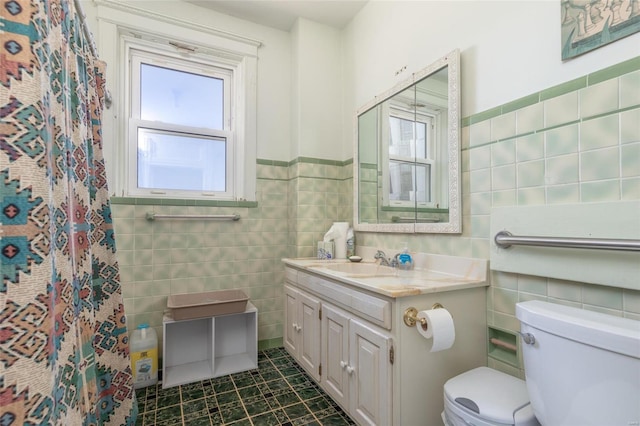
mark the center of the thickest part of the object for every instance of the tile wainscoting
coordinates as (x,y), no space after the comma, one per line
(296,203)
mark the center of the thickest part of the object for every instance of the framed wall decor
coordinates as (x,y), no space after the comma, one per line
(589,24)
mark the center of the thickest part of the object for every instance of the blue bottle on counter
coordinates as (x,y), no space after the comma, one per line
(405,263)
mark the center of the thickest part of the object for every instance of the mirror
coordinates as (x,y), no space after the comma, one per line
(407,155)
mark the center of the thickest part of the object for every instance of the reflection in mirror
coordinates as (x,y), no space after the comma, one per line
(407,155)
(368,167)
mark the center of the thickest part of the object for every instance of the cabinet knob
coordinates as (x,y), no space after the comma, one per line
(350,369)
(343,364)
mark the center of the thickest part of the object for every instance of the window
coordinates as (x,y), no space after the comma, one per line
(410,159)
(185,112)
(180,133)
(180,127)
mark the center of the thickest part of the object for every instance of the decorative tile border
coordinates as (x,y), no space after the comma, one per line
(594,78)
(272,163)
(133,201)
(181,202)
(320,161)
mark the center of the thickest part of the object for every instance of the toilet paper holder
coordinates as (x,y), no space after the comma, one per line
(411,316)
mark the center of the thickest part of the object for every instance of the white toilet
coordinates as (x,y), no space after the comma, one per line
(581,368)
(486,397)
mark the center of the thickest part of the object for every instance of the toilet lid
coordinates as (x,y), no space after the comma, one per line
(493,395)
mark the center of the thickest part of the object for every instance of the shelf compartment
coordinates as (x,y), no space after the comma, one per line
(503,353)
(186,373)
(236,342)
(203,348)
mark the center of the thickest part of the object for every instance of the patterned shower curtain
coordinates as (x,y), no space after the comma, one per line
(64,350)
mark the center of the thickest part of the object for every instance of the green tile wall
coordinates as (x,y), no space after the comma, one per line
(575,142)
(562,149)
(321,192)
(163,257)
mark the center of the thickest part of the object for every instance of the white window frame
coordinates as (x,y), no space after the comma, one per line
(137,57)
(431,132)
(124,26)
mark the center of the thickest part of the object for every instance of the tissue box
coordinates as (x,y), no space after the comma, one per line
(325,250)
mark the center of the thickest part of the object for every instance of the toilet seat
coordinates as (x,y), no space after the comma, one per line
(487,397)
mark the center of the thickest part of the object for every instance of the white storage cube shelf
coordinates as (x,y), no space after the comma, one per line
(203,348)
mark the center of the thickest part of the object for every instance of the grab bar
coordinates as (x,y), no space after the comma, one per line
(396,219)
(504,239)
(153,216)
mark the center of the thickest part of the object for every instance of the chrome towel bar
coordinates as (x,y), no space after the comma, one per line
(396,219)
(504,239)
(153,216)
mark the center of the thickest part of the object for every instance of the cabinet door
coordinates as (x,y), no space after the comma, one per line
(309,334)
(370,381)
(335,354)
(291,320)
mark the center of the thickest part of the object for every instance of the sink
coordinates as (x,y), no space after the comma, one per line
(432,273)
(369,269)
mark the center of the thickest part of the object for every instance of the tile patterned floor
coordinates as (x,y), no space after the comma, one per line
(277,393)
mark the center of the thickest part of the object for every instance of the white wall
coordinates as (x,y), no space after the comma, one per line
(274,70)
(317,92)
(312,81)
(509,49)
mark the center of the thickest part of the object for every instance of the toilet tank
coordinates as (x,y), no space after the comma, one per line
(584,366)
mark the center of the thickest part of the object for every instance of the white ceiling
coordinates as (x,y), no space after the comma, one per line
(282,14)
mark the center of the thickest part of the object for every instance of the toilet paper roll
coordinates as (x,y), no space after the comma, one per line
(440,328)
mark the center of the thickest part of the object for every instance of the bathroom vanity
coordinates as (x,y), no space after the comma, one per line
(344,323)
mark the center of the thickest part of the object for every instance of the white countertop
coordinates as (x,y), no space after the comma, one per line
(432,274)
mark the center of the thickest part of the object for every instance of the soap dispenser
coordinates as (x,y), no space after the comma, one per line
(405,262)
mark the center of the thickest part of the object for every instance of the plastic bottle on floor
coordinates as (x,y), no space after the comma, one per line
(144,356)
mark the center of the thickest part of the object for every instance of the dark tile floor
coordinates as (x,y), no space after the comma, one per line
(277,393)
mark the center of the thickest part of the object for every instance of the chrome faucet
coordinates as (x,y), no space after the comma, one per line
(384,261)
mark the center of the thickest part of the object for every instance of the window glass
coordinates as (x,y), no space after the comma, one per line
(180,162)
(181,141)
(409,182)
(178,97)
(409,162)
(407,138)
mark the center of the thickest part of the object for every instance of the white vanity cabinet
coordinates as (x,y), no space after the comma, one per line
(356,367)
(302,329)
(379,370)
(348,355)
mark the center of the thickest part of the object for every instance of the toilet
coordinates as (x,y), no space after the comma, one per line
(581,368)
(485,397)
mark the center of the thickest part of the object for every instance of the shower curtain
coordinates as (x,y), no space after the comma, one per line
(64,352)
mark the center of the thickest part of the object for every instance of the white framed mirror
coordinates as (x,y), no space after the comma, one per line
(407,154)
